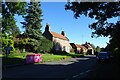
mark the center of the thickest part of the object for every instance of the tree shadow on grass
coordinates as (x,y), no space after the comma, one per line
(68,54)
(12,61)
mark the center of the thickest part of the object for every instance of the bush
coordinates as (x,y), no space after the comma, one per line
(117,55)
(45,46)
(18,51)
(60,52)
(72,50)
(7,40)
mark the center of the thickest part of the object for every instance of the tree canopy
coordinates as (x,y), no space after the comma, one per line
(100,11)
(32,39)
(9,9)
(9,28)
(33,23)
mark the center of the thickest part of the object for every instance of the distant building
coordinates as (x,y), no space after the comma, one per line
(89,47)
(60,41)
(78,48)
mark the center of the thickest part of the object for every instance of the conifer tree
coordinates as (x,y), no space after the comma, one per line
(33,25)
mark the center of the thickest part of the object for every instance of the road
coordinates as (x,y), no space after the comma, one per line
(82,68)
(105,71)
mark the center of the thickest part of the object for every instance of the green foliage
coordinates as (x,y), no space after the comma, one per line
(11,42)
(33,44)
(9,9)
(4,42)
(32,25)
(117,55)
(20,43)
(98,49)
(51,57)
(33,19)
(7,40)
(46,45)
(72,50)
(101,12)
(9,27)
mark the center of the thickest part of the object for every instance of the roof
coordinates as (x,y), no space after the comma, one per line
(83,47)
(54,34)
(88,45)
(64,44)
(78,46)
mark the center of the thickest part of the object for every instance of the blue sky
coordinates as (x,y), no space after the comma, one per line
(59,19)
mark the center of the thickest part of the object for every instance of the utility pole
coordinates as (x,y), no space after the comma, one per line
(82,37)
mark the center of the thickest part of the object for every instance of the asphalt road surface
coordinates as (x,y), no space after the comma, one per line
(82,68)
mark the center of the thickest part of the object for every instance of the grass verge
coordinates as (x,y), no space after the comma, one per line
(19,58)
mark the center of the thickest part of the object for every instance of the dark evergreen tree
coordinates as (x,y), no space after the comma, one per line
(33,25)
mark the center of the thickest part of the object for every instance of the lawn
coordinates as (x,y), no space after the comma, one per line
(52,57)
(19,58)
(14,58)
(1,55)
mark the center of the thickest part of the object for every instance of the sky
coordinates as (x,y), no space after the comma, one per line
(76,30)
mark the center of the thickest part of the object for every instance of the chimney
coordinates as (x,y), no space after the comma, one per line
(47,28)
(63,33)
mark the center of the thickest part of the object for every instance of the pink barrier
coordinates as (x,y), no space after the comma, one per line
(33,58)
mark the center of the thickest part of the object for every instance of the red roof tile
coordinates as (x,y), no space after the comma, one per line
(89,46)
(78,46)
(59,36)
(83,47)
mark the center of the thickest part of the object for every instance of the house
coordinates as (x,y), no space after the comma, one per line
(78,48)
(84,49)
(89,47)
(60,41)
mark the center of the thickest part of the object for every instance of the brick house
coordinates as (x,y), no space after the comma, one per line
(78,48)
(89,47)
(60,41)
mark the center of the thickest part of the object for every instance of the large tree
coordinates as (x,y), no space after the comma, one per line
(101,12)
(33,19)
(33,25)
(9,28)
(9,9)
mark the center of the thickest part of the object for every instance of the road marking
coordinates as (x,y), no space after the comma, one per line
(66,79)
(82,73)
(88,71)
(75,76)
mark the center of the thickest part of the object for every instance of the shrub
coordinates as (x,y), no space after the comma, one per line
(117,55)
(7,40)
(45,46)
(72,50)
(60,52)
